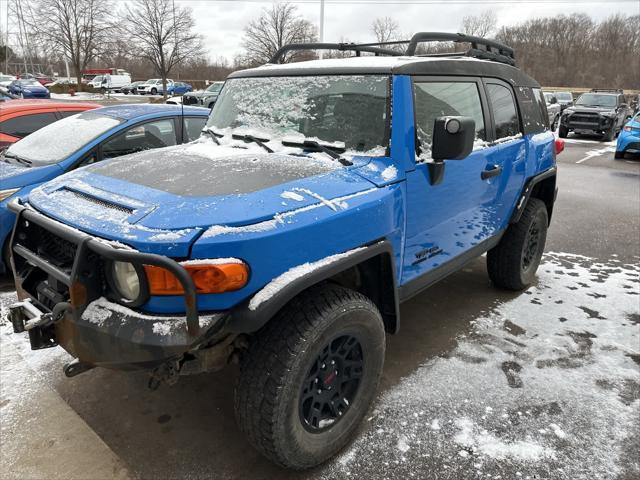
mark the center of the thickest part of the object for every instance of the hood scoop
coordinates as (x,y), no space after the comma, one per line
(98,202)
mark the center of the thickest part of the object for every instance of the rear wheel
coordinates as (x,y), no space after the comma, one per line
(619,155)
(512,264)
(154,91)
(310,375)
(563,131)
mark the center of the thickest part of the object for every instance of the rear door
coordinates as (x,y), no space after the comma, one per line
(509,153)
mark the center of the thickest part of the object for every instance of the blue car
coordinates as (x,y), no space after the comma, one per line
(178,88)
(320,196)
(28,88)
(629,139)
(85,139)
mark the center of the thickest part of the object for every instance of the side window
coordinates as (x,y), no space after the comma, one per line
(193,127)
(437,99)
(27,124)
(160,133)
(504,110)
(88,160)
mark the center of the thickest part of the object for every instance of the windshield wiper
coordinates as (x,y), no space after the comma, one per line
(318,147)
(21,160)
(251,138)
(214,135)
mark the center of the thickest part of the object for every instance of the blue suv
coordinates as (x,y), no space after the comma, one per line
(322,194)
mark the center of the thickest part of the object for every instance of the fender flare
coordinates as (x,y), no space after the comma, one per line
(528,189)
(245,320)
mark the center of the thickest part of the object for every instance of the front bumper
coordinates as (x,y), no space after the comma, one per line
(587,122)
(95,330)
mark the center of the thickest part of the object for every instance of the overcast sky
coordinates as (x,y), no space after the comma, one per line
(222,22)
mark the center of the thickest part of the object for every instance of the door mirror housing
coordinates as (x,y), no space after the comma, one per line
(453,138)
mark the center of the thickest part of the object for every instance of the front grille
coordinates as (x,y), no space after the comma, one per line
(57,250)
(585,119)
(102,203)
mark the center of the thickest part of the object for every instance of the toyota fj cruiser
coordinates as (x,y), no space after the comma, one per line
(320,196)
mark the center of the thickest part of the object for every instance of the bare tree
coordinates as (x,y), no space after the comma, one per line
(164,36)
(276,27)
(482,25)
(385,29)
(75,29)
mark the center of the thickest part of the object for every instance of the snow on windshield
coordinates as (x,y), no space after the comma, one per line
(597,100)
(55,142)
(347,109)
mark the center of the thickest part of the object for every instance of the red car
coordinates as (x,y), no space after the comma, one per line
(19,118)
(42,79)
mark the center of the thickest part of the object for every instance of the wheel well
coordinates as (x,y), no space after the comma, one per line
(374,278)
(545,190)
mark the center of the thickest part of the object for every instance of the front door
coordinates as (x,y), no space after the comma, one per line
(447,220)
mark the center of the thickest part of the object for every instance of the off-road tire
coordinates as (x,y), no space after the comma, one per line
(618,155)
(563,132)
(506,261)
(277,365)
(609,135)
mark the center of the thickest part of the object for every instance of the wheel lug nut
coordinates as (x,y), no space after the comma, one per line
(323,366)
(315,381)
(333,362)
(319,391)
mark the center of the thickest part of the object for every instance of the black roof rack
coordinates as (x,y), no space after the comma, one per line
(480,47)
(375,48)
(607,90)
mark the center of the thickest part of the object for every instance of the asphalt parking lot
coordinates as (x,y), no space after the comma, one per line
(479,383)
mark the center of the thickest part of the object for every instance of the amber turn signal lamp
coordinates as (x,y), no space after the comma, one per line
(208,278)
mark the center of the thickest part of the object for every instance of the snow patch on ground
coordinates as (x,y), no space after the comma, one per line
(544,385)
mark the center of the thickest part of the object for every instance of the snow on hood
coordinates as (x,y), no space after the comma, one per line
(168,196)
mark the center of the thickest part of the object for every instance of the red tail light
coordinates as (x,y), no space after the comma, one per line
(559,146)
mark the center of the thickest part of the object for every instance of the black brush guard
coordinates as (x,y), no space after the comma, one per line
(83,289)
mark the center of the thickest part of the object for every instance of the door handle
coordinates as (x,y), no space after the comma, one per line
(494,172)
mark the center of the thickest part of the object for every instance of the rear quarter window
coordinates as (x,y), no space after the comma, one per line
(533,109)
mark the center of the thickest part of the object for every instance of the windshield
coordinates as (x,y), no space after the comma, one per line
(349,109)
(28,82)
(97,79)
(564,96)
(214,87)
(597,100)
(70,134)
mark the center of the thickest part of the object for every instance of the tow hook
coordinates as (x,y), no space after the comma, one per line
(76,367)
(166,373)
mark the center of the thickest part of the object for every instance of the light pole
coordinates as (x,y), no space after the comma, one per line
(321,26)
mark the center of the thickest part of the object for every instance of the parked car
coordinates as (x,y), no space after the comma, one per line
(324,193)
(28,88)
(85,139)
(629,139)
(565,99)
(177,88)
(206,98)
(635,104)
(20,118)
(152,86)
(5,80)
(553,109)
(131,88)
(600,112)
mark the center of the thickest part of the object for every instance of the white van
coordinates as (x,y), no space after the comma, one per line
(110,82)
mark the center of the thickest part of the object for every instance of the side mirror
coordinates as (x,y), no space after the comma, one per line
(453,139)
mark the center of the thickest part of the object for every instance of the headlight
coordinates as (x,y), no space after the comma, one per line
(4,194)
(126,281)
(608,114)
